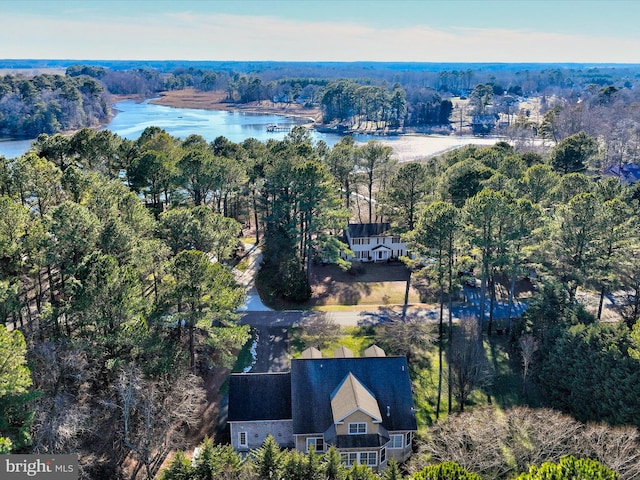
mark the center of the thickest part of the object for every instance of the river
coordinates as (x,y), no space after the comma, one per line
(133,117)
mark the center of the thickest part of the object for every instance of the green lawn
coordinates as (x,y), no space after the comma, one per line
(356,339)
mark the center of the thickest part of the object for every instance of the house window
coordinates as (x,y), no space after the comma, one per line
(408,442)
(363,458)
(357,428)
(383,455)
(396,441)
(317,443)
(349,458)
(395,239)
(365,241)
(242,439)
(356,241)
(368,458)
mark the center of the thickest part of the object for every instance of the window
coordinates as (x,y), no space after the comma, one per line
(408,442)
(395,239)
(242,439)
(355,241)
(383,455)
(317,443)
(349,458)
(368,458)
(365,241)
(357,428)
(363,458)
(396,441)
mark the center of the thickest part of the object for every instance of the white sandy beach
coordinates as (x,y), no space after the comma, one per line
(413,147)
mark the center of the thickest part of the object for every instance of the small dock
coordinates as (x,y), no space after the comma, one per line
(277,128)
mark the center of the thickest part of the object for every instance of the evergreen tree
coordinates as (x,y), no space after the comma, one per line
(15,380)
(445,471)
(569,468)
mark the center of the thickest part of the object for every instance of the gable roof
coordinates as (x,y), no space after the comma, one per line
(351,395)
(380,247)
(259,396)
(358,230)
(314,380)
(311,352)
(374,351)
(342,352)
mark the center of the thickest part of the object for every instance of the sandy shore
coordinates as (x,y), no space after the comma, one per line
(416,146)
(406,147)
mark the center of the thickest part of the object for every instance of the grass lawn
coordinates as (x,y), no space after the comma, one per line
(375,284)
(356,339)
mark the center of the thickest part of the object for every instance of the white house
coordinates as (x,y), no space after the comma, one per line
(371,242)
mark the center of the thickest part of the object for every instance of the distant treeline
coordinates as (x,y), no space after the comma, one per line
(390,94)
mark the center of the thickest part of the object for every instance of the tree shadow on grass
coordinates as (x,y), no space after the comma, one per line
(352,294)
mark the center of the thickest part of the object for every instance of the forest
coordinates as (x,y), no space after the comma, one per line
(118,301)
(50,104)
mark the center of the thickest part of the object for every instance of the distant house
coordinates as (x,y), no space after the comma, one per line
(361,405)
(626,173)
(371,242)
(483,124)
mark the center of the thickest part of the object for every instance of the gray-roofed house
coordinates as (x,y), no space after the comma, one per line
(371,242)
(259,405)
(362,405)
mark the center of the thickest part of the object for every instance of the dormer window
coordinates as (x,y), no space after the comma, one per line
(359,428)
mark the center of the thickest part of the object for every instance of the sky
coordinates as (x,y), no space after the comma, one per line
(580,31)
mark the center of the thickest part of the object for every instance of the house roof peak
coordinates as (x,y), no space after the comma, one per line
(351,395)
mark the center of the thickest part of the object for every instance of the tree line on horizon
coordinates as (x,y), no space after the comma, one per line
(389,97)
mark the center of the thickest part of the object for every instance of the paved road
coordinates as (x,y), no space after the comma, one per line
(271,327)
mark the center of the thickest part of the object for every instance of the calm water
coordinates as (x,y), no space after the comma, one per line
(133,118)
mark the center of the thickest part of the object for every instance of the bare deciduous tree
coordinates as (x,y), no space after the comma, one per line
(154,415)
(469,366)
(499,445)
(62,412)
(319,330)
(405,337)
(618,448)
(528,346)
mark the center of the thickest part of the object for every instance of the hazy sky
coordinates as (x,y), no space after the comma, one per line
(314,30)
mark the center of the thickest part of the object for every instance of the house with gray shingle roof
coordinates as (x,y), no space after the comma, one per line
(361,405)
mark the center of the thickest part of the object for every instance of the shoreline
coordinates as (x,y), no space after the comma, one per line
(407,146)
